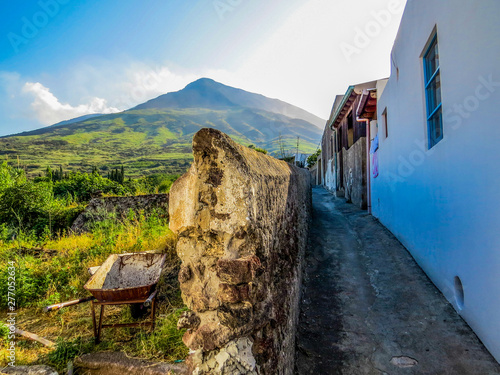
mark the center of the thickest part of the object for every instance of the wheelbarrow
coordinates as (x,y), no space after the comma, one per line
(122,279)
(125,279)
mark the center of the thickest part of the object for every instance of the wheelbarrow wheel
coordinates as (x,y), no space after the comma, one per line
(138,311)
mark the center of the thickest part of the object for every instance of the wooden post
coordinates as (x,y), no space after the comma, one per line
(35,337)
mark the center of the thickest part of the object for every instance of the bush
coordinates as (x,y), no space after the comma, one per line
(31,207)
(27,205)
(158,182)
(10,176)
(258,149)
(313,159)
(81,186)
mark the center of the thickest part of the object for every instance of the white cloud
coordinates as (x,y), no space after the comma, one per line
(49,110)
(101,87)
(141,82)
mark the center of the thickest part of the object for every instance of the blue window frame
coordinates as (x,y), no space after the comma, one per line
(432,76)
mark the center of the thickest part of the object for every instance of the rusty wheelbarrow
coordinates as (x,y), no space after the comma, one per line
(122,279)
(125,279)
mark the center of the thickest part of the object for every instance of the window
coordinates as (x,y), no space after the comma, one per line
(384,119)
(432,76)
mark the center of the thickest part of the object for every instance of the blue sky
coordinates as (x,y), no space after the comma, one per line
(63,58)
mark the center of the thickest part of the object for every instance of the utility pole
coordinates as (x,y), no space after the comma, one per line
(281,146)
(297,154)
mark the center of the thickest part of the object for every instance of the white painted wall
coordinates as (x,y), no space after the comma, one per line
(444,204)
(330,181)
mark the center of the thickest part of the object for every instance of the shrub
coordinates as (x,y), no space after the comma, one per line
(158,182)
(313,159)
(10,176)
(31,207)
(27,205)
(81,186)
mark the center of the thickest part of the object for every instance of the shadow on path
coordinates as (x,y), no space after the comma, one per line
(368,308)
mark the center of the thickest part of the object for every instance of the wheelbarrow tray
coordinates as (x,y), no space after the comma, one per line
(126,277)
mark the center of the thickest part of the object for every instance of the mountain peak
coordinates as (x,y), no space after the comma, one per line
(207,93)
(203,93)
(203,82)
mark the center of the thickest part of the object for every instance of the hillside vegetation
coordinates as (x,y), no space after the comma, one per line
(50,174)
(50,265)
(156,137)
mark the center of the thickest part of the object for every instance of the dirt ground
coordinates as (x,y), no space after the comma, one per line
(368,308)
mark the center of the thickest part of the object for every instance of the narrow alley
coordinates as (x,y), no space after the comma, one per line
(368,308)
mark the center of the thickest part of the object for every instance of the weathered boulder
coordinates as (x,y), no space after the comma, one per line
(101,207)
(242,220)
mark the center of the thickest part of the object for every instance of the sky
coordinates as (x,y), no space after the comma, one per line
(61,59)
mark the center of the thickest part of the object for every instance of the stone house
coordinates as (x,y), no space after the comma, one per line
(344,163)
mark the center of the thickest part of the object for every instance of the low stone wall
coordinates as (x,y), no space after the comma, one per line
(98,208)
(242,220)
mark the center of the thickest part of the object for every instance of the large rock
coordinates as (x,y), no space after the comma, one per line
(242,220)
(101,207)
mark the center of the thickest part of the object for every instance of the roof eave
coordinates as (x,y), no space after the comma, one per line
(347,96)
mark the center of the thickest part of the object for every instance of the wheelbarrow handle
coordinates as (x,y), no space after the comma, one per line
(58,306)
(147,303)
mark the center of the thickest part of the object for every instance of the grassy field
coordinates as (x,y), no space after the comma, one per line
(55,270)
(150,141)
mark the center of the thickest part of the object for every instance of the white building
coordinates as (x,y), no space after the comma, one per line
(438,188)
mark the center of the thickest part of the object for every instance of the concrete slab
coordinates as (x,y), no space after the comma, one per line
(368,308)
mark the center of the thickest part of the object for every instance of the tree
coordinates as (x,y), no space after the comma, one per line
(313,159)
(48,174)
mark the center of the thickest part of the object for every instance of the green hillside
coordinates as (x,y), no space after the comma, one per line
(151,140)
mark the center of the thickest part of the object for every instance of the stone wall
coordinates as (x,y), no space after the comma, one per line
(355,173)
(242,220)
(98,208)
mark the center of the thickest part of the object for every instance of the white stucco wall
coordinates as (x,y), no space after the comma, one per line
(330,176)
(444,204)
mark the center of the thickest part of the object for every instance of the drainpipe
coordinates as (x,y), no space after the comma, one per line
(368,169)
(368,175)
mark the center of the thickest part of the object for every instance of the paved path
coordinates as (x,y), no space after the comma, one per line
(367,308)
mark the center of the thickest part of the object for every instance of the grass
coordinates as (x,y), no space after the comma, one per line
(52,270)
(149,140)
